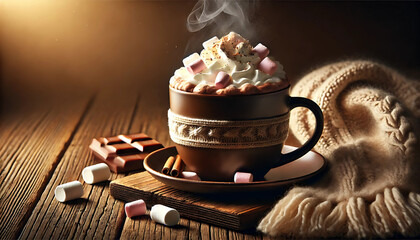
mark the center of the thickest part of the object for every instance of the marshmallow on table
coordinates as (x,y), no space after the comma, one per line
(96,173)
(209,43)
(194,63)
(243,177)
(222,80)
(164,215)
(190,176)
(268,66)
(261,50)
(135,208)
(69,191)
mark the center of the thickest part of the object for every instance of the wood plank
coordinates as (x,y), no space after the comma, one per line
(32,142)
(236,211)
(97,215)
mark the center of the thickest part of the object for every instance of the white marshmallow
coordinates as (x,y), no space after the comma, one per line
(96,173)
(164,215)
(69,191)
(190,176)
(209,43)
(190,59)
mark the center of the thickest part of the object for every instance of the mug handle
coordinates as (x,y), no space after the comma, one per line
(311,105)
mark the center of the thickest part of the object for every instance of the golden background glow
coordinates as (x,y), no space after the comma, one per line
(54,46)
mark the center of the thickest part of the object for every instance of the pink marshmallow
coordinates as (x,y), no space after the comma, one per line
(261,50)
(135,208)
(196,66)
(190,176)
(268,66)
(222,80)
(243,177)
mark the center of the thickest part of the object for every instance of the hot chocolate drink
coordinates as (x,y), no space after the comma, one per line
(229,110)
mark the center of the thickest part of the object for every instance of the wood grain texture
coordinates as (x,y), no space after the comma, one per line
(236,211)
(97,214)
(32,142)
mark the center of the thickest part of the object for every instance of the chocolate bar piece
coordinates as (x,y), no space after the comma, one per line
(110,140)
(141,141)
(148,145)
(123,156)
(97,149)
(121,149)
(129,162)
(133,137)
(99,146)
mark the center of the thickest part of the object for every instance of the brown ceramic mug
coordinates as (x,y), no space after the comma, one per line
(217,136)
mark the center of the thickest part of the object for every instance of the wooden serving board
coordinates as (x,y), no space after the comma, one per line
(235,211)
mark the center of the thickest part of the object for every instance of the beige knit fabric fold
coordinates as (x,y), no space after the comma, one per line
(370,140)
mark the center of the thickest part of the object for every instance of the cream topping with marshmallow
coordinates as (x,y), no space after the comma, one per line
(234,55)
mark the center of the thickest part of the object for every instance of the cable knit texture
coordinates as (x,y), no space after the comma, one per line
(370,141)
(208,133)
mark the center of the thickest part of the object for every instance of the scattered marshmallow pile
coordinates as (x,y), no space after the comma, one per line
(158,213)
(240,177)
(195,64)
(175,163)
(99,173)
(91,175)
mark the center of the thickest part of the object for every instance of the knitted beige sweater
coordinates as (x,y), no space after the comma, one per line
(371,187)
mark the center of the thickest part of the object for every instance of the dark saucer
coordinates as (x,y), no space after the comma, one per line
(301,169)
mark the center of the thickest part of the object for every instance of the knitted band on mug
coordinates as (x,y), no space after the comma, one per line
(195,132)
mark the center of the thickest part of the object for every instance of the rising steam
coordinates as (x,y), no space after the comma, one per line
(221,16)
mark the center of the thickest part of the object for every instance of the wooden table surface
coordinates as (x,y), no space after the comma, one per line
(74,70)
(47,145)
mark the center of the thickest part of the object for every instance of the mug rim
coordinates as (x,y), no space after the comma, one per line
(230,107)
(226,96)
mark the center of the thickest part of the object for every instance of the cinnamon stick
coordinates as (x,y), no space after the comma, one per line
(178,167)
(168,165)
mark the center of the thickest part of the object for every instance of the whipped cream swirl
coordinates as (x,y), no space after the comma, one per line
(234,55)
